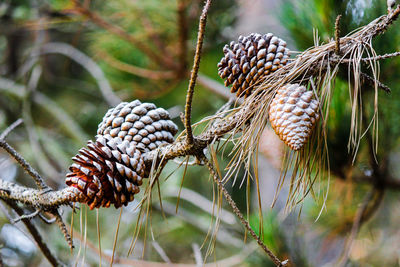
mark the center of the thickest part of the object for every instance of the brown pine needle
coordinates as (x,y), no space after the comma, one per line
(116,237)
(180,187)
(98,235)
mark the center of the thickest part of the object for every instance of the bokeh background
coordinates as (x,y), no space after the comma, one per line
(63,64)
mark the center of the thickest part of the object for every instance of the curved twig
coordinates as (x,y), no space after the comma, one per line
(10,128)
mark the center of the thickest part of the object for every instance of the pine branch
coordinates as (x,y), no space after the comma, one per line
(54,261)
(372,82)
(10,128)
(195,70)
(38,199)
(27,167)
(235,209)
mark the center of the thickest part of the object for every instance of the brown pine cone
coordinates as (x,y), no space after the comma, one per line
(250,59)
(142,124)
(293,114)
(109,171)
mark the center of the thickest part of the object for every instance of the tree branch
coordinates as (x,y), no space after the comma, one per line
(35,233)
(372,82)
(27,167)
(38,199)
(10,128)
(235,209)
(195,69)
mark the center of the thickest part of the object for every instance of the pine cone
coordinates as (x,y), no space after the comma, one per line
(108,171)
(142,124)
(293,114)
(250,59)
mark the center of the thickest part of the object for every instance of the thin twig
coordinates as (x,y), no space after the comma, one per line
(64,230)
(25,165)
(35,234)
(38,179)
(27,216)
(193,75)
(337,34)
(380,57)
(10,128)
(46,220)
(245,223)
(372,81)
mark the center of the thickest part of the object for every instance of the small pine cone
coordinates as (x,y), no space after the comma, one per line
(142,124)
(250,59)
(293,114)
(109,171)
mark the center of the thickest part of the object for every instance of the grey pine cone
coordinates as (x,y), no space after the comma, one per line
(250,59)
(141,124)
